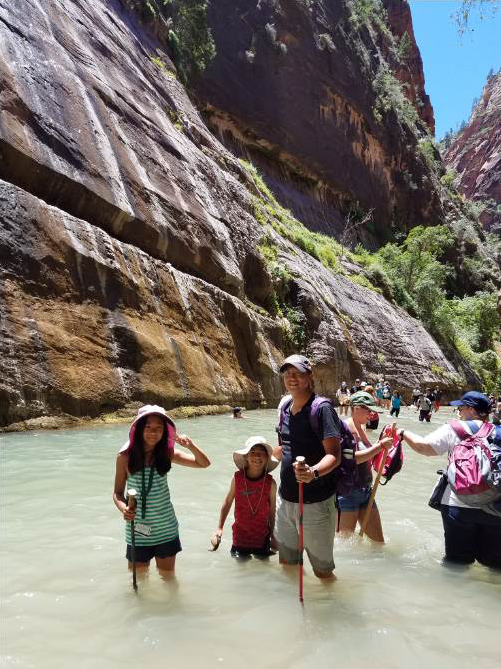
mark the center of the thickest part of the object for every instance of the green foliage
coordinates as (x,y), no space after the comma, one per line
(476,320)
(369,14)
(447,179)
(390,96)
(189,37)
(404,47)
(267,211)
(413,274)
(362,280)
(295,329)
(196,46)
(429,151)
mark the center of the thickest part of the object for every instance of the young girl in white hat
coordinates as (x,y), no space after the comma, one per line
(142,464)
(254,492)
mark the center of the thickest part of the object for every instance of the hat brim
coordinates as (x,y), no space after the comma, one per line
(239,457)
(457,403)
(169,426)
(298,366)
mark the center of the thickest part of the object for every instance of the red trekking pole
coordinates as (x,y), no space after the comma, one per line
(300,460)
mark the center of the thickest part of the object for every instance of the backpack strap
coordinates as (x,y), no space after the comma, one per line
(485,430)
(482,432)
(458,428)
(315,407)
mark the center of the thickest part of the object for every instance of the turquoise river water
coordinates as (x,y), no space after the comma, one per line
(67,599)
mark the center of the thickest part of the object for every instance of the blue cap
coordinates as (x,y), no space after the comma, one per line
(474,399)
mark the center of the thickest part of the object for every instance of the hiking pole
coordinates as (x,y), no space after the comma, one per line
(300,460)
(131,503)
(370,504)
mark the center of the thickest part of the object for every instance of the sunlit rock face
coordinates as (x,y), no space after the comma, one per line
(291,87)
(475,154)
(130,268)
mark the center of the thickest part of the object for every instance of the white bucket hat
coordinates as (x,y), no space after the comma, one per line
(239,456)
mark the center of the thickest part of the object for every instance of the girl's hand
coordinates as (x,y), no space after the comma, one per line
(183,440)
(129,514)
(216,540)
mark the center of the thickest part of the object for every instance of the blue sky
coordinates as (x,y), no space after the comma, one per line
(455,70)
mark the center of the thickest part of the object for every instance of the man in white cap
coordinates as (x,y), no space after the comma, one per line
(316,436)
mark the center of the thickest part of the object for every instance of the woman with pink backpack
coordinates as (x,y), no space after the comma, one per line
(468,493)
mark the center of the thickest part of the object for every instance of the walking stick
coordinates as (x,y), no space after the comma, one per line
(373,491)
(300,460)
(131,503)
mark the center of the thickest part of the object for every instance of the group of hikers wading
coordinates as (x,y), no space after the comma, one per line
(326,484)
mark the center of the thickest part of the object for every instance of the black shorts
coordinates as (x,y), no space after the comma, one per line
(146,553)
(262,551)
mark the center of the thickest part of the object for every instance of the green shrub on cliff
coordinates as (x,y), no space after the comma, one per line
(184,24)
(268,211)
(414,275)
(390,96)
(196,46)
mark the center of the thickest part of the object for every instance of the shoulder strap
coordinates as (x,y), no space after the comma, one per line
(485,430)
(459,429)
(314,410)
(482,432)
(284,403)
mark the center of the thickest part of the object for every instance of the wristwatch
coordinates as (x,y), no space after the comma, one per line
(316,473)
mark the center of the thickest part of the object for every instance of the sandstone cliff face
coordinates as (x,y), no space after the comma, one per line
(475,154)
(291,88)
(409,69)
(130,268)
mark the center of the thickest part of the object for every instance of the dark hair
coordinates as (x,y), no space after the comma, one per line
(161,457)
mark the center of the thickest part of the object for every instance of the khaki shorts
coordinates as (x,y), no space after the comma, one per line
(319,526)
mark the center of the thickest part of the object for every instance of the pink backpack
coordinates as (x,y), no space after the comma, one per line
(470,464)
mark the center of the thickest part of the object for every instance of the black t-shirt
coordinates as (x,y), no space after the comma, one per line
(297,437)
(355,389)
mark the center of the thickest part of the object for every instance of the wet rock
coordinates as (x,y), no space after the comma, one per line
(130,265)
(475,154)
(304,112)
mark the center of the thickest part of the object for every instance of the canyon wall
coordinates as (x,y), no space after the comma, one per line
(131,267)
(475,154)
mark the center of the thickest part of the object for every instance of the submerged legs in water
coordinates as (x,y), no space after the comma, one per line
(349,519)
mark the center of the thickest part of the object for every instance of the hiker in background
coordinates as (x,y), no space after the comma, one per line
(386,395)
(254,491)
(430,394)
(424,406)
(373,419)
(356,386)
(379,393)
(237,412)
(396,402)
(352,506)
(343,398)
(471,532)
(438,397)
(415,396)
(319,443)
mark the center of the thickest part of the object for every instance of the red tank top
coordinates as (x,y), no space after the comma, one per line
(251,528)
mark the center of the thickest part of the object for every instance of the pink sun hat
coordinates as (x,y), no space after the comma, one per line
(152,410)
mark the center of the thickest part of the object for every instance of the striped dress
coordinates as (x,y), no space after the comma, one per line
(159,517)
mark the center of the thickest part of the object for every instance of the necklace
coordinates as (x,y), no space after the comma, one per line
(254,511)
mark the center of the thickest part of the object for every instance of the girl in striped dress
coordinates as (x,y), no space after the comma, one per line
(143,463)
